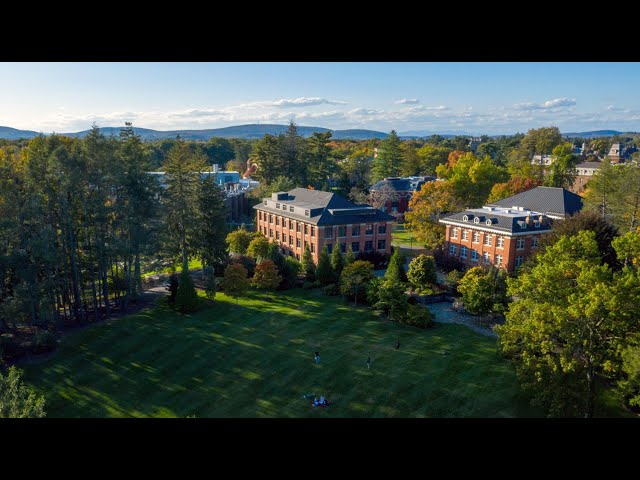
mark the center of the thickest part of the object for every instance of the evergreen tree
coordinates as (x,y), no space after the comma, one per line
(212,229)
(17,400)
(324,272)
(350,257)
(210,282)
(337,261)
(388,163)
(395,270)
(308,265)
(186,298)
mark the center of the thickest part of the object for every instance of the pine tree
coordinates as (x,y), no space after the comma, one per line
(337,261)
(389,161)
(395,270)
(186,298)
(350,257)
(324,271)
(308,265)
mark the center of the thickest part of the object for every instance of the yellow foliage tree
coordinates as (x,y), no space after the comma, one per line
(425,209)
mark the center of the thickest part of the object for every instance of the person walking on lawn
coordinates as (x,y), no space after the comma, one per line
(397,344)
(368,362)
(317,357)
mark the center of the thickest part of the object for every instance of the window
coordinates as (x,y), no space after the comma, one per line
(382,244)
(488,222)
(368,246)
(298,242)
(382,229)
(306,213)
(476,237)
(291,209)
(536,224)
(499,260)
(313,248)
(355,231)
(270,218)
(306,229)
(476,220)
(328,232)
(500,243)
(270,233)
(343,247)
(463,252)
(265,203)
(520,244)
(306,244)
(453,249)
(519,260)
(487,239)
(369,230)
(355,246)
(329,247)
(465,218)
(522,224)
(465,234)
(486,257)
(277,205)
(277,235)
(277,221)
(259,215)
(284,237)
(313,231)
(298,227)
(534,242)
(454,232)
(474,255)
(394,208)
(342,231)
(290,239)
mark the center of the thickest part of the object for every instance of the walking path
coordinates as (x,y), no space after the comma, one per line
(445,314)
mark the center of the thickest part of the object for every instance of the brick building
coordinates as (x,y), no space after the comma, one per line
(584,172)
(392,194)
(304,217)
(507,232)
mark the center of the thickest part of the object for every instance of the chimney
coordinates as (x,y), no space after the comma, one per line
(216,168)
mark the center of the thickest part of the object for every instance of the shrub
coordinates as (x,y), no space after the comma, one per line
(18,400)
(186,299)
(317,284)
(373,290)
(355,278)
(247,262)
(289,269)
(483,292)
(44,341)
(422,271)
(266,276)
(446,263)
(236,281)
(308,285)
(453,280)
(395,270)
(417,316)
(210,282)
(331,290)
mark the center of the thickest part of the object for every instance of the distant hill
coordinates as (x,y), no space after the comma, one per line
(597,133)
(251,131)
(248,132)
(14,134)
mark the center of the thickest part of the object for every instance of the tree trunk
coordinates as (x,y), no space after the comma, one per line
(77,304)
(592,391)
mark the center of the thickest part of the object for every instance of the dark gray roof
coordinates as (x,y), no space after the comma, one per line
(589,165)
(502,222)
(402,183)
(331,208)
(549,200)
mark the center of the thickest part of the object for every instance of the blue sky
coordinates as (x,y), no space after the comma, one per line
(473,98)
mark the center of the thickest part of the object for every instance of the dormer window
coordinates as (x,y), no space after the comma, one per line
(464,219)
(277,205)
(536,224)
(291,209)
(306,213)
(488,222)
(476,220)
(523,225)
(265,203)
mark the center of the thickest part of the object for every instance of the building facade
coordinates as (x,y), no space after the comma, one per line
(584,172)
(314,218)
(506,233)
(392,194)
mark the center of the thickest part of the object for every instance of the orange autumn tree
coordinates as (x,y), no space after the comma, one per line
(514,186)
(425,209)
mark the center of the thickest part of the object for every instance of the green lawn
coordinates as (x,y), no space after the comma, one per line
(194,264)
(400,235)
(255,359)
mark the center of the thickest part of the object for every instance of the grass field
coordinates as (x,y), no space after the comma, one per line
(401,236)
(255,359)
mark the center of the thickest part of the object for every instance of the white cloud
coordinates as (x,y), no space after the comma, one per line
(364,111)
(547,105)
(305,102)
(408,101)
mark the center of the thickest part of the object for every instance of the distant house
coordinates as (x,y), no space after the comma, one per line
(507,232)
(392,194)
(620,153)
(584,172)
(544,160)
(301,217)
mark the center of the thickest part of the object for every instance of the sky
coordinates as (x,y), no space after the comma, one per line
(469,98)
